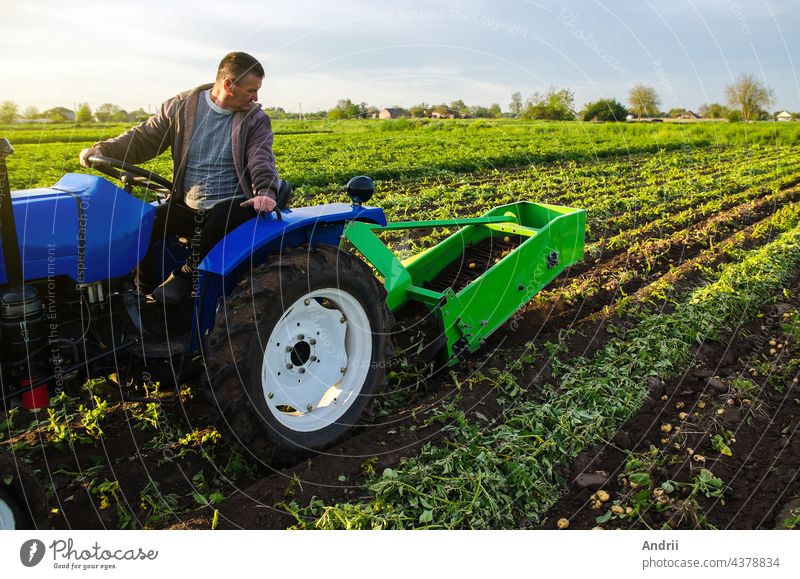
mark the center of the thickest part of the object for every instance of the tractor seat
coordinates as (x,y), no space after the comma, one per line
(284,194)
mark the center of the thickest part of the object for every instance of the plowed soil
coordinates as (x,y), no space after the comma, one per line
(164,476)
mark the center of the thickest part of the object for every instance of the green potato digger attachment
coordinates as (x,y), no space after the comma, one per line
(478,277)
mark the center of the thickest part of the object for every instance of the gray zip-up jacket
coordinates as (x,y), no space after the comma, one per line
(172,125)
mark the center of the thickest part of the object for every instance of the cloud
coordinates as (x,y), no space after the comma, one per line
(139,53)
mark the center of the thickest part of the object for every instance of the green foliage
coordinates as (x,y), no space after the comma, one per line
(8,112)
(606,110)
(110,113)
(491,476)
(734,116)
(512,461)
(553,105)
(793,520)
(346,109)
(748,95)
(30,113)
(515,106)
(717,111)
(84,114)
(63,419)
(643,101)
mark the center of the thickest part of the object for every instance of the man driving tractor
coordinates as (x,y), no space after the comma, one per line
(223,166)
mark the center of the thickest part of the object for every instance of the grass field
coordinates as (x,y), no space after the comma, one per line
(652,385)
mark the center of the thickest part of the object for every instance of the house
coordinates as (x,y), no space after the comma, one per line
(688,115)
(392,113)
(445,114)
(60,113)
(783,116)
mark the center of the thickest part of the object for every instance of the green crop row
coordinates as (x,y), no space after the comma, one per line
(502,475)
(323,159)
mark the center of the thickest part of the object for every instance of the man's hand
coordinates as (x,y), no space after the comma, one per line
(84,155)
(261,203)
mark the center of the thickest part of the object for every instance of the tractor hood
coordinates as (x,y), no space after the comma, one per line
(82,227)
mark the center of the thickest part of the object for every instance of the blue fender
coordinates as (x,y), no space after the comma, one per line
(83,227)
(267,233)
(251,243)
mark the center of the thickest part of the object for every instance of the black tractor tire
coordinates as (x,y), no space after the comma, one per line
(234,352)
(23,502)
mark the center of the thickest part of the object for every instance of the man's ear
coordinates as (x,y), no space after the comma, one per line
(226,84)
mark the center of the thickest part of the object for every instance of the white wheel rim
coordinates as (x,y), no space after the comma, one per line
(316,360)
(7,521)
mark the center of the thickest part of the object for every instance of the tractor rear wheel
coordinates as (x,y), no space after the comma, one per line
(298,352)
(22,500)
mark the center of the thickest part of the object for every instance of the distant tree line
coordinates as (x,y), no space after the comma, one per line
(747,99)
(346,109)
(105,113)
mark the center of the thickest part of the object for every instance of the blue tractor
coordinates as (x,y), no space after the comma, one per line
(289,333)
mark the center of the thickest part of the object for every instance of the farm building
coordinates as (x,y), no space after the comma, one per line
(65,113)
(392,113)
(689,115)
(445,114)
(784,116)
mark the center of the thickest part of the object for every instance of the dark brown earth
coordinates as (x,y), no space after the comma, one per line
(745,390)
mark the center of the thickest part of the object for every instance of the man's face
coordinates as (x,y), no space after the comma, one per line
(240,95)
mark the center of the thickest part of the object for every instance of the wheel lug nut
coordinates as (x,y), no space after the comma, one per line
(289,366)
(307,302)
(271,395)
(300,337)
(288,348)
(312,341)
(342,370)
(313,358)
(343,320)
(309,408)
(302,370)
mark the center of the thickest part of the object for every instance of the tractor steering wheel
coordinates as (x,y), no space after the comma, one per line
(131,175)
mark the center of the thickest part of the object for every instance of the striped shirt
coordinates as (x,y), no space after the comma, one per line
(210,173)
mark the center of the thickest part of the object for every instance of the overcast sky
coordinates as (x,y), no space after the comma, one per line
(138,53)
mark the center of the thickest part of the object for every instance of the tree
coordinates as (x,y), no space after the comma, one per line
(140,115)
(8,112)
(419,111)
(346,109)
(120,116)
(702,110)
(717,111)
(515,106)
(460,107)
(644,101)
(55,115)
(734,116)
(610,110)
(494,110)
(83,114)
(748,95)
(105,112)
(30,113)
(554,104)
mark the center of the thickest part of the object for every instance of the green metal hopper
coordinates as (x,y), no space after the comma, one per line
(478,277)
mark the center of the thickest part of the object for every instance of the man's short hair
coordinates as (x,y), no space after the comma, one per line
(237,65)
